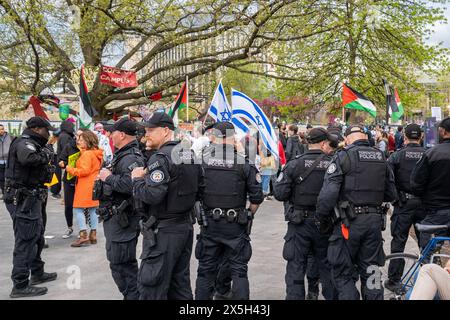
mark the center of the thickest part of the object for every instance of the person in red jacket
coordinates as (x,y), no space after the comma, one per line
(391,141)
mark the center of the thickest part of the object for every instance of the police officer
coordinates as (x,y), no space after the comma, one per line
(168,187)
(300,183)
(429,181)
(229,178)
(408,210)
(121,223)
(27,170)
(356,184)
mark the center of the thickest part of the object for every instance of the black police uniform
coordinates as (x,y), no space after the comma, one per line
(360,175)
(408,210)
(26,172)
(229,178)
(170,188)
(429,181)
(121,226)
(303,237)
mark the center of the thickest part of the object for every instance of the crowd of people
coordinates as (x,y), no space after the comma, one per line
(143,177)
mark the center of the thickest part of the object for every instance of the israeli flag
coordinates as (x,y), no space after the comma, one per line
(246,108)
(220,111)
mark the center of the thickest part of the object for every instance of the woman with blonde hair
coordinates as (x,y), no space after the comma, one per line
(86,170)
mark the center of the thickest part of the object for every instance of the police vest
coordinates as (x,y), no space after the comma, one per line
(408,158)
(306,192)
(224,181)
(364,181)
(24,176)
(184,181)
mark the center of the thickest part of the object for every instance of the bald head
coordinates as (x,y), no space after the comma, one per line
(354,137)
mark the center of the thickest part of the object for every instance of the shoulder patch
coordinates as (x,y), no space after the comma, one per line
(157,176)
(30,146)
(331,168)
(258,177)
(154,165)
(132,166)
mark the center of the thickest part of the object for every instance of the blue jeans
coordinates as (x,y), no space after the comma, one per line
(81,219)
(265,183)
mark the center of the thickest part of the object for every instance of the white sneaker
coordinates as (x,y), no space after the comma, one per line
(68,234)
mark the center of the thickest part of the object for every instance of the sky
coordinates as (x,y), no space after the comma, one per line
(442,31)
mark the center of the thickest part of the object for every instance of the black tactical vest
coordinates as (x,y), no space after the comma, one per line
(306,192)
(224,180)
(364,181)
(408,158)
(184,179)
(24,176)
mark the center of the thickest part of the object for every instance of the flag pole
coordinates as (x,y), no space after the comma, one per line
(388,99)
(187,99)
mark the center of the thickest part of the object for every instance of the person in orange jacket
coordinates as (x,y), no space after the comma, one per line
(86,171)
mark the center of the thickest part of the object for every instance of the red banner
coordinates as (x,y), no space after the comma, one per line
(118,78)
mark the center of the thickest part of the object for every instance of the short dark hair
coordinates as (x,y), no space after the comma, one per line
(399,128)
(293,127)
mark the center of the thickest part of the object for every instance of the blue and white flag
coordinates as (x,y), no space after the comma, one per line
(246,108)
(220,111)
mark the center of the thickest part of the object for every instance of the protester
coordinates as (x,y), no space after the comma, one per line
(69,150)
(432,280)
(293,145)
(5,143)
(103,143)
(399,138)
(86,171)
(391,141)
(382,142)
(268,168)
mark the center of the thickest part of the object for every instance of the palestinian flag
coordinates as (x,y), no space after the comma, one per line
(86,111)
(396,106)
(352,99)
(180,101)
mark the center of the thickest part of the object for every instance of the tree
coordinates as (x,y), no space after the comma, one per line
(380,39)
(41,46)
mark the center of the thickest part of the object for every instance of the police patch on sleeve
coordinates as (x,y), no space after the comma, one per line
(280,177)
(332,168)
(157,176)
(258,177)
(30,146)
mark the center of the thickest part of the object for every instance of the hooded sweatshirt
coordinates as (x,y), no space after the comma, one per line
(86,171)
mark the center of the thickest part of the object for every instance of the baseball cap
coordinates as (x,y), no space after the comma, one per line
(38,122)
(160,119)
(124,125)
(445,123)
(223,129)
(355,128)
(413,131)
(317,135)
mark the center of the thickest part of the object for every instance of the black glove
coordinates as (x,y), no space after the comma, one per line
(324,224)
(48,152)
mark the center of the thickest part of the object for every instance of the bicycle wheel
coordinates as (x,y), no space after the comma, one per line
(396,260)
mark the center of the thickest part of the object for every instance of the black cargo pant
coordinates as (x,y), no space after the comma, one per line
(358,257)
(223,280)
(435,217)
(121,253)
(402,219)
(29,242)
(301,240)
(312,274)
(222,241)
(165,268)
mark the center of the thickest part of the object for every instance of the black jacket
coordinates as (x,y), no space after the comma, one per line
(429,179)
(67,134)
(293,148)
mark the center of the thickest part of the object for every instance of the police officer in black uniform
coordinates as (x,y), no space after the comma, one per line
(120,220)
(408,210)
(27,170)
(229,178)
(168,188)
(429,181)
(356,184)
(299,183)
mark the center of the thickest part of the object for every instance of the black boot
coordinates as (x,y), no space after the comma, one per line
(45,277)
(28,291)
